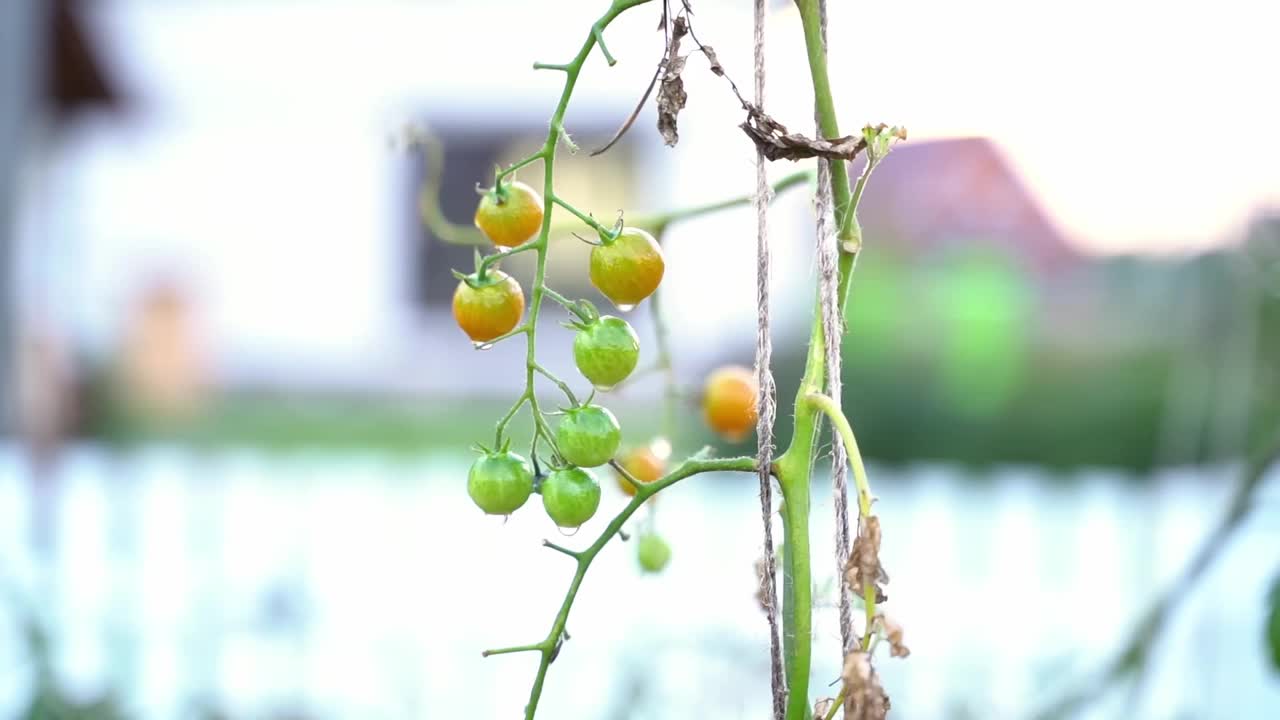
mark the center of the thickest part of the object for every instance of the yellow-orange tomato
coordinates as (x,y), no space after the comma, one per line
(628,269)
(510,216)
(729,402)
(491,309)
(643,464)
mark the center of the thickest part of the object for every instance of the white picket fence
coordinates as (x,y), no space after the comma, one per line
(362,586)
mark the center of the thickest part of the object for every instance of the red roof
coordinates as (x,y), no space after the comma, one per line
(933,195)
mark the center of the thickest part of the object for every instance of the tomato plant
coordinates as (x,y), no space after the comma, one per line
(509,214)
(642,464)
(729,402)
(606,350)
(500,482)
(488,307)
(628,268)
(588,436)
(570,496)
(652,552)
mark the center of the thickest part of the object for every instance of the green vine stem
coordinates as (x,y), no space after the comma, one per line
(795,465)
(841,424)
(548,155)
(549,646)
(657,223)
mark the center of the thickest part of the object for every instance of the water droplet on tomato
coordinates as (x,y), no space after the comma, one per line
(624,307)
(604,388)
(568,532)
(482,345)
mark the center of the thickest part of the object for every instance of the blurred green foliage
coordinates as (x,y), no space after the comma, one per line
(964,356)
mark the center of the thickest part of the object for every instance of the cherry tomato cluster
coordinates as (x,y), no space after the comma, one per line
(626,267)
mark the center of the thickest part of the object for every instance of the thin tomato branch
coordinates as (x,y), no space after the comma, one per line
(658,222)
(535,157)
(585,217)
(564,387)
(550,646)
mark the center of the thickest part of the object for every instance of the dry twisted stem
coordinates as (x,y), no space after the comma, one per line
(765,400)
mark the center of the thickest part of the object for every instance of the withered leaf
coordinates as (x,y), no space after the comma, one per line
(863,567)
(716,67)
(864,697)
(894,633)
(776,143)
(671,94)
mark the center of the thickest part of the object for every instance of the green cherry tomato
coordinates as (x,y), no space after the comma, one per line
(628,269)
(570,496)
(606,351)
(588,436)
(500,482)
(653,552)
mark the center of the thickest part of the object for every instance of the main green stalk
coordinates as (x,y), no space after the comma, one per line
(795,465)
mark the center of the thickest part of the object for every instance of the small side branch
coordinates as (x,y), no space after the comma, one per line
(841,424)
(560,549)
(598,32)
(536,647)
(584,217)
(564,387)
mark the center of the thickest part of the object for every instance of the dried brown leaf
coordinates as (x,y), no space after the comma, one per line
(864,697)
(777,143)
(716,67)
(822,707)
(863,567)
(671,94)
(894,633)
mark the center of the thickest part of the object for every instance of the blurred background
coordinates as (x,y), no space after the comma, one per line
(236,411)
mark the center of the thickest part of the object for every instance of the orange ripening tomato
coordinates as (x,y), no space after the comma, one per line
(729,402)
(643,464)
(510,215)
(489,308)
(628,269)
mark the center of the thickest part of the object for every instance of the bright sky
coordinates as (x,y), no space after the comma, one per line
(1141,124)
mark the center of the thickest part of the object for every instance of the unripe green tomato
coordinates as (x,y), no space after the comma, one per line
(570,496)
(500,482)
(653,553)
(606,351)
(588,436)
